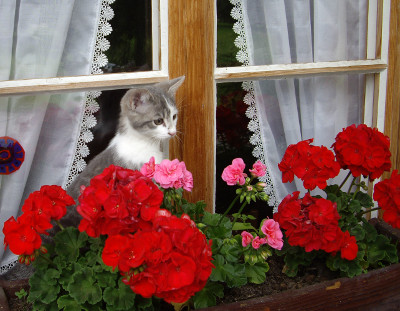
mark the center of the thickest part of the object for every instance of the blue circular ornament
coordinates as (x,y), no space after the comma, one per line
(11,155)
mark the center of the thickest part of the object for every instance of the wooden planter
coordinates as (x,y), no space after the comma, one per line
(378,290)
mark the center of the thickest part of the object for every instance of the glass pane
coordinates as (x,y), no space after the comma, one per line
(283,32)
(233,141)
(44,39)
(226,49)
(259,119)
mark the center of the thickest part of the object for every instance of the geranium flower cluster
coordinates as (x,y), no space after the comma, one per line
(272,236)
(363,150)
(158,254)
(314,165)
(312,223)
(170,259)
(22,236)
(169,174)
(387,194)
(234,174)
(118,201)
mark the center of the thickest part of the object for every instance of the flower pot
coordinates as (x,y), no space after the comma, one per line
(8,288)
(376,290)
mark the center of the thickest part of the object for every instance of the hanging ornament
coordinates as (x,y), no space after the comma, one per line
(11,155)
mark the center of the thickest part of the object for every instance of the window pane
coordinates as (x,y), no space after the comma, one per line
(293,31)
(259,119)
(43,39)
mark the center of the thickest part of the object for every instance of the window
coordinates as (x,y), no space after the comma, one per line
(192,33)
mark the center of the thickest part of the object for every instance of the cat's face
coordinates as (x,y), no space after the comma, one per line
(151,111)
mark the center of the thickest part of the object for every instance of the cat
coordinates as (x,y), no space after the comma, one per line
(148,118)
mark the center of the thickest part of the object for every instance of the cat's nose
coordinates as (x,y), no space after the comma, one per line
(172,134)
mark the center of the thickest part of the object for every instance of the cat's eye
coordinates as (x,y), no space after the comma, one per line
(159,121)
(174,117)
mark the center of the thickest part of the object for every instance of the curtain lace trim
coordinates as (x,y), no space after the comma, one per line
(99,60)
(252,112)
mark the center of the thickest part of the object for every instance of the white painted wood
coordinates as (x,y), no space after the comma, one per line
(371,29)
(155,34)
(80,83)
(164,36)
(231,74)
(382,79)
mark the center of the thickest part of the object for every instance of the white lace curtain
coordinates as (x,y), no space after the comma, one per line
(41,39)
(283,112)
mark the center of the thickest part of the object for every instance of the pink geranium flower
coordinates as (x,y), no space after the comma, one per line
(246,238)
(168,173)
(149,168)
(257,242)
(233,174)
(272,233)
(259,169)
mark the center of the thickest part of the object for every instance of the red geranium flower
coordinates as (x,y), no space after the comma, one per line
(21,238)
(117,201)
(363,150)
(314,165)
(387,194)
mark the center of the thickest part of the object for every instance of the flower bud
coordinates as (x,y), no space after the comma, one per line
(43,250)
(249,188)
(32,257)
(27,261)
(21,258)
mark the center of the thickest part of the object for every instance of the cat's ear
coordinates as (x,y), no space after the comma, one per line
(137,100)
(171,86)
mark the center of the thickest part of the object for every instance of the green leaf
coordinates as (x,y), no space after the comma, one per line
(207,297)
(40,306)
(358,231)
(355,206)
(239,226)
(349,268)
(67,303)
(232,275)
(231,252)
(68,242)
(382,250)
(215,228)
(121,298)
(83,287)
(257,273)
(364,199)
(44,286)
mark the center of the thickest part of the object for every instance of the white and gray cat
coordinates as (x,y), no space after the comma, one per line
(147,119)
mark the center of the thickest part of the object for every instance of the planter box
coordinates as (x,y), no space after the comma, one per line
(378,290)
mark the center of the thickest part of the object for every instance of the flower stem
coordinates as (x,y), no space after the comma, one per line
(229,208)
(238,213)
(367,211)
(344,181)
(59,225)
(351,185)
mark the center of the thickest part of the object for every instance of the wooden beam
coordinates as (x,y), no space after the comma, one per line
(80,83)
(392,116)
(191,53)
(232,74)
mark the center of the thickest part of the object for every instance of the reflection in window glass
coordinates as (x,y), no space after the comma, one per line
(131,38)
(284,32)
(233,141)
(226,49)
